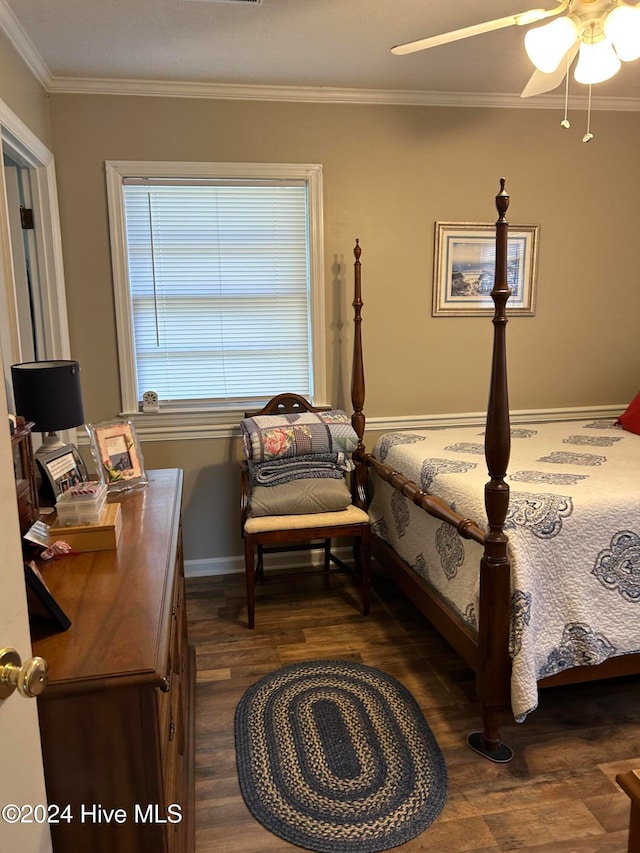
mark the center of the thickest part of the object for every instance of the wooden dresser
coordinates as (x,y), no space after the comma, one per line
(117,718)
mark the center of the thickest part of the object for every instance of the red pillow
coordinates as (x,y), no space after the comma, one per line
(630,420)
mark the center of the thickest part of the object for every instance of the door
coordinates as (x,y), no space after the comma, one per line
(22,827)
(21,773)
(33,322)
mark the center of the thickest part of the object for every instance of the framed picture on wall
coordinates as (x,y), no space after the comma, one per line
(464,269)
(117,454)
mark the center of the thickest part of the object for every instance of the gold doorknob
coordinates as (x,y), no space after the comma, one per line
(29,678)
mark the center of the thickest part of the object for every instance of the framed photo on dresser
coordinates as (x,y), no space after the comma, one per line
(61,469)
(40,601)
(117,454)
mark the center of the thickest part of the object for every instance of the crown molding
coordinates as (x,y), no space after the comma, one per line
(321,94)
(14,31)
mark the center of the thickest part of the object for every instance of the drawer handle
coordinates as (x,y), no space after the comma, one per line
(172,730)
(165,685)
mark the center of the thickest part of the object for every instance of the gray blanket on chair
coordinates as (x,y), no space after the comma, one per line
(279,471)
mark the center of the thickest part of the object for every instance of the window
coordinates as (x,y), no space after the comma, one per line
(218,283)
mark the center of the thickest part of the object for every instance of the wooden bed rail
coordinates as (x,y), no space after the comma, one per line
(467,528)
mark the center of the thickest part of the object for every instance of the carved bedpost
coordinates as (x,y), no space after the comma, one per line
(495,568)
(357,384)
(498,434)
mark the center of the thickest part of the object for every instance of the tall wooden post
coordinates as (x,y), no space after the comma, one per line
(357,384)
(493,678)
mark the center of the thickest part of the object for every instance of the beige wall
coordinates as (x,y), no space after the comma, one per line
(22,92)
(389,174)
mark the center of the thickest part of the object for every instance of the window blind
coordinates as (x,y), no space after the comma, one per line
(219,279)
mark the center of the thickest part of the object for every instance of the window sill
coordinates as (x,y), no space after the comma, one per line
(181,426)
(186,425)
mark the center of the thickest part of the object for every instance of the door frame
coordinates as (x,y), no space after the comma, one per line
(22,145)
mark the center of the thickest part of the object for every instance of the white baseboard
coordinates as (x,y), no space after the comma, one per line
(214,566)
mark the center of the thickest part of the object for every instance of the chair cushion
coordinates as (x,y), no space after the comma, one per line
(270,523)
(299,497)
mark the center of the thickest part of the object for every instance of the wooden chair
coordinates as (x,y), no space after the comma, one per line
(300,532)
(630,784)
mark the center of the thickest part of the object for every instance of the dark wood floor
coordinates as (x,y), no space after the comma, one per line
(558,795)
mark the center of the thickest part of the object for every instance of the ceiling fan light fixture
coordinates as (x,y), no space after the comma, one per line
(597,61)
(547,45)
(622,27)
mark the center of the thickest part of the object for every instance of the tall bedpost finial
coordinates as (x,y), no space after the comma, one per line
(502,200)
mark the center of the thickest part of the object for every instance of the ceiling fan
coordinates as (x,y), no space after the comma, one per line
(602,32)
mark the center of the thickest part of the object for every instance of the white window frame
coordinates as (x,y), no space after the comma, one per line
(203,421)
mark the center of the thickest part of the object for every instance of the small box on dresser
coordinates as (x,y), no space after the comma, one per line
(98,536)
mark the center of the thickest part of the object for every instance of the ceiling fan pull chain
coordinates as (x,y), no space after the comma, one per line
(565,121)
(588,135)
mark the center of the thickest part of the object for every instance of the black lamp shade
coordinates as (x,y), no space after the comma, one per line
(49,394)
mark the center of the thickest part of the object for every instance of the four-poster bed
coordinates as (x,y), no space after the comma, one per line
(526,618)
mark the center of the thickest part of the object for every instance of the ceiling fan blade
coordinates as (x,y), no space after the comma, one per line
(522,18)
(539,82)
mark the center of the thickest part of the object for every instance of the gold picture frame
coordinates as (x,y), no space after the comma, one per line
(464,269)
(117,454)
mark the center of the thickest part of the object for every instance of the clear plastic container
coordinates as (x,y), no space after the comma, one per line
(85,507)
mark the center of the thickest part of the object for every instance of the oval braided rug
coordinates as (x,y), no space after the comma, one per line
(337,757)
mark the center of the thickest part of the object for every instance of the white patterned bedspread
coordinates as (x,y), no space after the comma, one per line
(574,537)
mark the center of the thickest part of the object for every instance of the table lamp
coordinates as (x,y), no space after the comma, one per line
(49,394)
